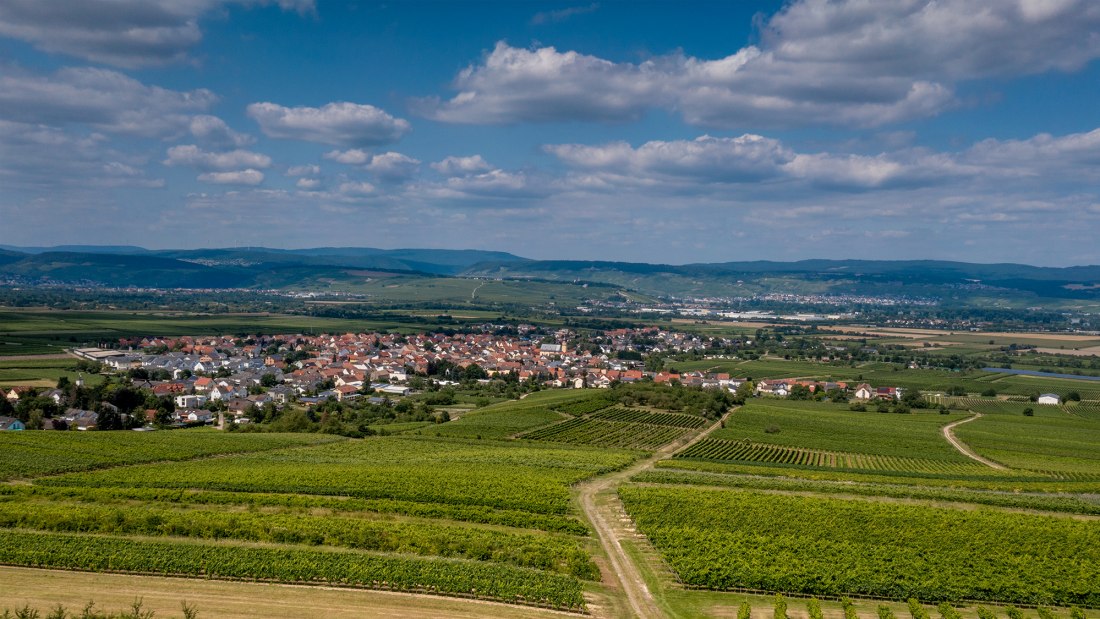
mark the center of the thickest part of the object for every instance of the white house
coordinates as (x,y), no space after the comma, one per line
(1049,398)
(864,392)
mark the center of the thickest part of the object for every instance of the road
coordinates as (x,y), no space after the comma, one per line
(963,448)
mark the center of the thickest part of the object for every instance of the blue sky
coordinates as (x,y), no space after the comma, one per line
(642,131)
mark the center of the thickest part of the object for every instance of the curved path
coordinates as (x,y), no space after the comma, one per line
(963,448)
(603,513)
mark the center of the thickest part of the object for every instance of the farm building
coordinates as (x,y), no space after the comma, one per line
(1050,398)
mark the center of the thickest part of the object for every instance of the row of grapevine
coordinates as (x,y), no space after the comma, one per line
(252,500)
(726,539)
(552,553)
(633,415)
(30,454)
(508,476)
(583,407)
(292,565)
(583,431)
(749,451)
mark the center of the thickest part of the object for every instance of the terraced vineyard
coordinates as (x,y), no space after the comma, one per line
(748,451)
(584,431)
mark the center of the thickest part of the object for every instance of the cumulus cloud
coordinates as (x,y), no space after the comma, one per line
(193,156)
(125,33)
(41,158)
(103,99)
(353,156)
(393,166)
(847,62)
(750,159)
(356,188)
(308,183)
(213,131)
(303,170)
(340,124)
(237,177)
(460,166)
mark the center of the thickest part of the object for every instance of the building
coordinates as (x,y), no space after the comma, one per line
(11,423)
(1050,398)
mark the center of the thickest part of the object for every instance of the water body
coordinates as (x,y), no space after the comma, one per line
(1042,374)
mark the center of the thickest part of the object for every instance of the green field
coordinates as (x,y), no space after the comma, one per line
(833,427)
(488,518)
(724,539)
(33,454)
(40,372)
(509,418)
(1062,444)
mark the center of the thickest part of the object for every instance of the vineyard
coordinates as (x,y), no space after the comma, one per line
(835,428)
(748,451)
(583,407)
(724,539)
(1063,445)
(290,564)
(631,415)
(583,431)
(30,454)
(490,519)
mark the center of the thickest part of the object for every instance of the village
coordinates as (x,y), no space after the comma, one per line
(211,379)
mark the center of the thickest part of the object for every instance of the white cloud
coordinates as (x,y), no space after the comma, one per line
(459,166)
(849,62)
(393,166)
(52,160)
(740,159)
(361,188)
(353,156)
(125,33)
(308,183)
(213,131)
(193,156)
(341,124)
(303,170)
(103,99)
(238,177)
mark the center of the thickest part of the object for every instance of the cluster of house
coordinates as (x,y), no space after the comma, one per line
(243,374)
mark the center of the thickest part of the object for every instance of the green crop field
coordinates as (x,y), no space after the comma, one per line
(1062,444)
(584,431)
(511,417)
(472,517)
(726,539)
(832,427)
(747,451)
(32,454)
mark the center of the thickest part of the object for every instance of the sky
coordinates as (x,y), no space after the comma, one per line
(671,132)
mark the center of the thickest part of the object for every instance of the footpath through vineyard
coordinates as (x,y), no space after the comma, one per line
(603,508)
(963,448)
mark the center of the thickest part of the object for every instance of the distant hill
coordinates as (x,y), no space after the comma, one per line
(351,268)
(941,279)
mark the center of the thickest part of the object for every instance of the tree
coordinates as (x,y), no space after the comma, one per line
(989,393)
(1073,396)
(268,380)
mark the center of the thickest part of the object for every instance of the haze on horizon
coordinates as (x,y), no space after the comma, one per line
(653,132)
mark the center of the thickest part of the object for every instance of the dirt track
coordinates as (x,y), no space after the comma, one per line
(604,513)
(963,448)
